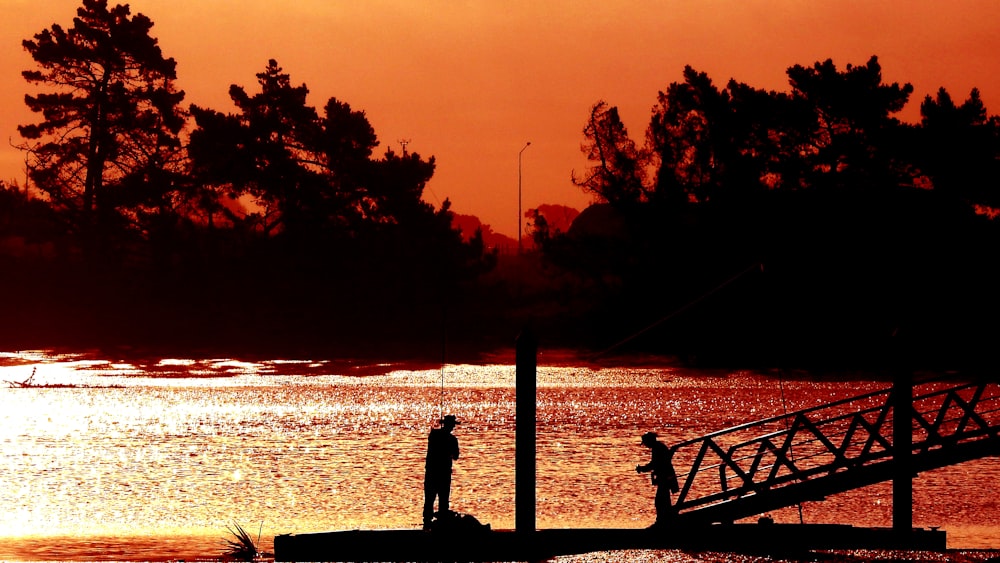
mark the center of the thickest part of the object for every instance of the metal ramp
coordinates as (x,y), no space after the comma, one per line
(808,455)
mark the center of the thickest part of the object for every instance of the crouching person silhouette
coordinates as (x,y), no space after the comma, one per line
(663,477)
(442,450)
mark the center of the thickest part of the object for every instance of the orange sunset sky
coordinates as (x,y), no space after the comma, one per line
(470,82)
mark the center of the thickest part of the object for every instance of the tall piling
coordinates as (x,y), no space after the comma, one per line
(524,432)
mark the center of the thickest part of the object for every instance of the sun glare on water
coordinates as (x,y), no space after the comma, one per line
(183,447)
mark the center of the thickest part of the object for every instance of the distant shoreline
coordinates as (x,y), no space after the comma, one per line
(499,356)
(149,361)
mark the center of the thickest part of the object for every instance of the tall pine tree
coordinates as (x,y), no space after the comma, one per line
(107,147)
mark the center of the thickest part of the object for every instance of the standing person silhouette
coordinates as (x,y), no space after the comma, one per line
(442,450)
(663,477)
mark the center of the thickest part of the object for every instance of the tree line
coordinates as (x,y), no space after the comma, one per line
(277,226)
(131,193)
(854,233)
(834,128)
(112,155)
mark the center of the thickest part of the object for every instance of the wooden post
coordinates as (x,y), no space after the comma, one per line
(524,431)
(902,445)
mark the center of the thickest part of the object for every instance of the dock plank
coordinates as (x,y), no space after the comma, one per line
(510,545)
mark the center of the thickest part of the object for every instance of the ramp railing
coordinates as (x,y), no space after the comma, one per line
(809,454)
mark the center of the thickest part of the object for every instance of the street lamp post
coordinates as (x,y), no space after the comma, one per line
(526,145)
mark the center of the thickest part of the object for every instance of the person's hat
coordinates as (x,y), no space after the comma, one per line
(649,437)
(449,419)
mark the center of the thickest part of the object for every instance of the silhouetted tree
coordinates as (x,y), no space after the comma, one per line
(690,135)
(107,149)
(309,175)
(269,150)
(346,143)
(394,187)
(538,227)
(772,132)
(618,175)
(834,128)
(959,148)
(222,165)
(855,137)
(558,217)
(712,144)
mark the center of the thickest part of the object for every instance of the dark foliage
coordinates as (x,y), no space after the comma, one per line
(274,229)
(810,227)
(107,153)
(753,227)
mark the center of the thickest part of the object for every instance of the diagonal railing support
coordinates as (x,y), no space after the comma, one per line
(887,435)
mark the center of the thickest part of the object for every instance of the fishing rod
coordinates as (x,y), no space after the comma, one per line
(444,355)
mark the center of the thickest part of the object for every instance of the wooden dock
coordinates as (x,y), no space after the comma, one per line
(745,476)
(510,545)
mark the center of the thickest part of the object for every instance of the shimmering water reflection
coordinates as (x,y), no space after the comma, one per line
(177,449)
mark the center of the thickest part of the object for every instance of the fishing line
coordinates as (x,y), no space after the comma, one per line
(791,450)
(444,355)
(685,307)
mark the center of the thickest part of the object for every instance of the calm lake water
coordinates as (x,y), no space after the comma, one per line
(151,461)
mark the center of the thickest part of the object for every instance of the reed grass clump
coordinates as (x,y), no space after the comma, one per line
(242,546)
